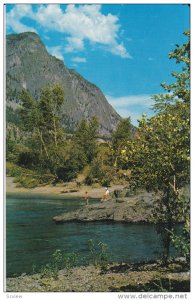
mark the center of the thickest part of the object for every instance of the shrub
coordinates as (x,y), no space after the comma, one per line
(88,180)
(28,159)
(182,242)
(96,169)
(59,260)
(68,171)
(27,178)
(99,255)
(13,170)
(106,182)
(70,260)
(28,181)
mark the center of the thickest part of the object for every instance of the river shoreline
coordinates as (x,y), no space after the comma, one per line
(63,191)
(123,277)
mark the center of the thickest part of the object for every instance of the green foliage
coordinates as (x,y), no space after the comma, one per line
(89,180)
(180,89)
(59,260)
(122,133)
(86,135)
(99,173)
(49,106)
(159,157)
(41,120)
(24,176)
(99,255)
(120,138)
(27,182)
(28,159)
(28,112)
(45,147)
(106,181)
(160,154)
(78,156)
(182,242)
(11,154)
(28,178)
(12,116)
(104,154)
(13,170)
(96,170)
(68,171)
(70,260)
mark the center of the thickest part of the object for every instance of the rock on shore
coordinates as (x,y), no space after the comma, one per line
(149,277)
(131,210)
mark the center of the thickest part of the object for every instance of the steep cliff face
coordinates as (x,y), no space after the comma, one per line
(30,66)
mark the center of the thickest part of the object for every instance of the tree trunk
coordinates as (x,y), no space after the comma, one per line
(166,234)
(55,131)
(43,143)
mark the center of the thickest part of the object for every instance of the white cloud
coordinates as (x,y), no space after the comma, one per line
(74,44)
(134,116)
(80,23)
(14,18)
(121,51)
(78,59)
(56,51)
(132,106)
(49,16)
(131,100)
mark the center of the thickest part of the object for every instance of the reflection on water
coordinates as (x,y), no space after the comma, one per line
(32,236)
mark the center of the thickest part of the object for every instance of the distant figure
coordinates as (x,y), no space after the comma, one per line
(86,197)
(106,195)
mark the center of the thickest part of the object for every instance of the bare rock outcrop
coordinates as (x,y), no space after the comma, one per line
(130,210)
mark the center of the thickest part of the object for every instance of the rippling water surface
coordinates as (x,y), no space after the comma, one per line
(32,236)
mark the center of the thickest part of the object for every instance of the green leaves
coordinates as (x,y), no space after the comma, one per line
(41,120)
(120,138)
(180,89)
(86,136)
(159,155)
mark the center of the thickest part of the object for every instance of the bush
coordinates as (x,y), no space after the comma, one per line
(96,169)
(67,172)
(182,241)
(28,159)
(59,260)
(14,170)
(13,150)
(88,180)
(27,178)
(27,182)
(99,174)
(106,182)
(99,255)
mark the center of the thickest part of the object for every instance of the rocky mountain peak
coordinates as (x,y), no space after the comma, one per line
(30,66)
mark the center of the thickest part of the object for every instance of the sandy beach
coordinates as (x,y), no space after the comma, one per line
(68,189)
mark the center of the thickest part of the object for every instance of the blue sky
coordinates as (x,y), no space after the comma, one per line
(123,49)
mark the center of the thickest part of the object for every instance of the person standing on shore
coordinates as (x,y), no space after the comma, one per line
(106,195)
(86,197)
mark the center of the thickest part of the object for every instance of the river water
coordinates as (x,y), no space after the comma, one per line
(32,236)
